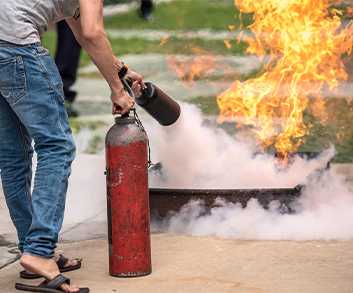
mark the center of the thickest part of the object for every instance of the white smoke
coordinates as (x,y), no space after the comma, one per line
(324,211)
(196,156)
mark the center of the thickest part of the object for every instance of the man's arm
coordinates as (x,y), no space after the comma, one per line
(89,32)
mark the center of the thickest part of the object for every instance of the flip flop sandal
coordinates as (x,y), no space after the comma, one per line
(61,262)
(52,286)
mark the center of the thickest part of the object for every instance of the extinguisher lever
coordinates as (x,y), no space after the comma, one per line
(127,87)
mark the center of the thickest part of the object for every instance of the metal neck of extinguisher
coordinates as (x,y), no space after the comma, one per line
(136,117)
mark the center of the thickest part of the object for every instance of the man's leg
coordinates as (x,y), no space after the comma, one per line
(146,9)
(41,111)
(31,85)
(16,169)
(67,59)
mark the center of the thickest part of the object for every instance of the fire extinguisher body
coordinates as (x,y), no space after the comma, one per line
(128,199)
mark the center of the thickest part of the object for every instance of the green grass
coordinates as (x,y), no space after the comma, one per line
(49,41)
(338,130)
(208,105)
(173,46)
(183,15)
(177,15)
(140,46)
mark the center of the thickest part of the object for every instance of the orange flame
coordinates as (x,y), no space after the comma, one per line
(305,41)
(164,40)
(200,66)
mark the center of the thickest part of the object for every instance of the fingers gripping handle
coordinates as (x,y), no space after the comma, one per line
(127,87)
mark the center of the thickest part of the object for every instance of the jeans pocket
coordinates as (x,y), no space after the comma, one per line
(12,79)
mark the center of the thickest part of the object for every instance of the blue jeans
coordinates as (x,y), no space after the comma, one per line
(32,110)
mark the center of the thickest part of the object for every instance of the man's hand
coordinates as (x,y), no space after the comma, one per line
(134,77)
(122,102)
(137,82)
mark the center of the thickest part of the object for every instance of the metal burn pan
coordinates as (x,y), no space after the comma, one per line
(166,201)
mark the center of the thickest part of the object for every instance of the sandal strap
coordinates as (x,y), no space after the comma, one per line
(62,261)
(56,282)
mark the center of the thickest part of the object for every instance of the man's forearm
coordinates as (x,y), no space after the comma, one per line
(101,54)
(99,49)
(89,32)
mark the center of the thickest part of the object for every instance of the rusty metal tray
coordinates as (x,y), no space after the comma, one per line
(164,201)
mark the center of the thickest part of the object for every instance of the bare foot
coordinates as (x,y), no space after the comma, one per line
(69,263)
(46,268)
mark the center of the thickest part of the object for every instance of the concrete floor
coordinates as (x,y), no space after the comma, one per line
(210,265)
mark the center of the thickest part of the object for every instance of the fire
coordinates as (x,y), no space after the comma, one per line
(304,41)
(202,65)
(164,40)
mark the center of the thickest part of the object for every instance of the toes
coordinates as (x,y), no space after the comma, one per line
(71,262)
(69,289)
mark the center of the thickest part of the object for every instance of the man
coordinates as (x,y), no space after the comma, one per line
(32,108)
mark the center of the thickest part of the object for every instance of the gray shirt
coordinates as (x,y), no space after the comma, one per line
(24,21)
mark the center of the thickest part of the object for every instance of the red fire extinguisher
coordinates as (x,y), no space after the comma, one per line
(128,198)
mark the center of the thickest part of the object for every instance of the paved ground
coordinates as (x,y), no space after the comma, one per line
(157,35)
(209,265)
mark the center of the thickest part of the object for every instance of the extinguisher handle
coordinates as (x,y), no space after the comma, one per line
(127,87)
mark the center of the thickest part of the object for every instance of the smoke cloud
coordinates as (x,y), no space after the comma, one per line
(324,211)
(197,156)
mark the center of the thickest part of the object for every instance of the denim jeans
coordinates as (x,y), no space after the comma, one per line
(32,110)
